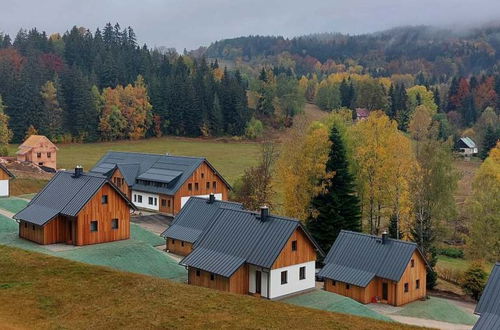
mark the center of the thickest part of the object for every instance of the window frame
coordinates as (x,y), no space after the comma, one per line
(412,263)
(104,199)
(198,273)
(212,277)
(113,222)
(406,287)
(302,273)
(190,186)
(139,199)
(49,155)
(294,245)
(208,185)
(284,277)
(38,155)
(417,284)
(347,286)
(92,230)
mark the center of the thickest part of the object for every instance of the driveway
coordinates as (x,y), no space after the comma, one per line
(156,223)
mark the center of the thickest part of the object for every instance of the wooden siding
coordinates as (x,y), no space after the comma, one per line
(305,251)
(179,247)
(54,231)
(31,232)
(4,175)
(119,180)
(44,149)
(168,205)
(410,276)
(237,283)
(94,210)
(200,176)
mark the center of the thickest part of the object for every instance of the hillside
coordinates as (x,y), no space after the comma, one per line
(50,292)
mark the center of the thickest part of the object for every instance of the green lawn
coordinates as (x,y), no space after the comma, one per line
(230,158)
(12,204)
(437,309)
(459,264)
(332,302)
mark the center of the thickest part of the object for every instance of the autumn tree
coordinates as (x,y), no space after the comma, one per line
(5,132)
(53,120)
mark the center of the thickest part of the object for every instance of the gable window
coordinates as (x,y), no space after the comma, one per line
(347,286)
(302,273)
(38,155)
(214,185)
(104,199)
(114,223)
(412,263)
(93,225)
(294,245)
(406,287)
(190,186)
(196,187)
(163,202)
(139,198)
(202,175)
(334,283)
(49,155)
(208,184)
(284,277)
(198,272)
(212,276)
(417,284)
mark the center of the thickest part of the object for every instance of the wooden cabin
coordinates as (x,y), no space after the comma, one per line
(5,177)
(254,253)
(195,217)
(162,183)
(76,208)
(39,150)
(488,307)
(370,269)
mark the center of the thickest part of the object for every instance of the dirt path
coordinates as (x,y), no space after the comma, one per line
(6,213)
(429,323)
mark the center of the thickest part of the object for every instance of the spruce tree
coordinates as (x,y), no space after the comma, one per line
(337,207)
(394,227)
(491,136)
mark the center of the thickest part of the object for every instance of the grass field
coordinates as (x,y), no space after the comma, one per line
(12,204)
(54,293)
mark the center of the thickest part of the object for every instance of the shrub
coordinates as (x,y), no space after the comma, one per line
(474,280)
(451,252)
(254,129)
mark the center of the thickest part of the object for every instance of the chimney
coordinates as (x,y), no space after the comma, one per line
(264,213)
(78,171)
(384,237)
(211,198)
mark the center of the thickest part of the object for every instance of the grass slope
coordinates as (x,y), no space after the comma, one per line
(12,204)
(57,293)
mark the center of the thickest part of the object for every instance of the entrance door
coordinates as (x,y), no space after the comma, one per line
(385,291)
(70,232)
(258,281)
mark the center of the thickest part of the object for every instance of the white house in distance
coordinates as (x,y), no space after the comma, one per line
(5,177)
(467,146)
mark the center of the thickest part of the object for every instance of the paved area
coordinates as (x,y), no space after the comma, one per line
(156,223)
(61,247)
(430,323)
(6,213)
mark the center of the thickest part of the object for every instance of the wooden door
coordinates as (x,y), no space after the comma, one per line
(258,281)
(385,291)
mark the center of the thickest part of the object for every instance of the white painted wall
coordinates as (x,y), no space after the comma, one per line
(4,188)
(186,198)
(145,200)
(294,284)
(251,279)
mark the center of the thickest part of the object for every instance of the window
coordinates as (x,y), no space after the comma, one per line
(114,223)
(33,227)
(156,201)
(294,245)
(49,154)
(150,200)
(417,284)
(190,186)
(214,185)
(135,198)
(212,276)
(168,203)
(406,287)
(93,225)
(173,242)
(196,187)
(208,184)
(182,243)
(412,263)
(198,272)
(41,164)
(38,155)
(104,199)
(334,283)
(302,273)
(163,202)
(347,286)
(139,198)
(202,175)
(284,277)
(25,225)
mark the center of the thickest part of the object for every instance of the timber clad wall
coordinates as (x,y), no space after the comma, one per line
(237,283)
(166,204)
(410,276)
(119,180)
(179,247)
(305,251)
(4,175)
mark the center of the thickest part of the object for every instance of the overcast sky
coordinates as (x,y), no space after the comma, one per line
(189,24)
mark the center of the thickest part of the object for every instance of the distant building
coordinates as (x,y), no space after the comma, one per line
(253,253)
(362,113)
(5,177)
(162,183)
(488,307)
(467,146)
(76,208)
(368,268)
(38,150)
(196,216)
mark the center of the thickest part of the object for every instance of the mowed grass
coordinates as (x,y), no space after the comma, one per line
(12,204)
(23,186)
(54,293)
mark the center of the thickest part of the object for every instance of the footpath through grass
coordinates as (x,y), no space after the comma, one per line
(332,302)
(437,309)
(54,293)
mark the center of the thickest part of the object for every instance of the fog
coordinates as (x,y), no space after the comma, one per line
(190,24)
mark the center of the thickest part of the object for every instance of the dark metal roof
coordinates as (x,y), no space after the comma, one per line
(64,194)
(354,257)
(489,304)
(172,171)
(241,235)
(9,173)
(468,142)
(196,215)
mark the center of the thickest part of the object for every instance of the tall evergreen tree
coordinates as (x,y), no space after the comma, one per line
(5,132)
(337,207)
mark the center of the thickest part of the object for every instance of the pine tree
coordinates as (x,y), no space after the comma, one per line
(395,228)
(5,132)
(491,136)
(338,207)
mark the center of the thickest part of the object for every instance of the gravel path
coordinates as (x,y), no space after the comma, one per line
(429,323)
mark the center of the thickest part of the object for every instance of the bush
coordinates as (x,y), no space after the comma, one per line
(254,129)
(474,280)
(451,252)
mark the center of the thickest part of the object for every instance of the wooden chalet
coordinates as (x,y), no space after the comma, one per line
(369,269)
(195,217)
(488,307)
(162,183)
(76,208)
(5,177)
(253,253)
(39,150)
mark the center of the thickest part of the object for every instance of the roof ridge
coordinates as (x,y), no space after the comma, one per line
(375,236)
(153,154)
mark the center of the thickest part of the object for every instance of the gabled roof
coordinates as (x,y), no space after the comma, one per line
(356,258)
(34,141)
(172,171)
(237,236)
(6,170)
(196,215)
(489,304)
(66,195)
(362,112)
(468,142)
